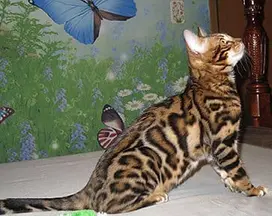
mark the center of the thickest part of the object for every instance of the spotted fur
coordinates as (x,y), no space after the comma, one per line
(170,140)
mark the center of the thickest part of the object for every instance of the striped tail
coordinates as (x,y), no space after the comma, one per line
(23,205)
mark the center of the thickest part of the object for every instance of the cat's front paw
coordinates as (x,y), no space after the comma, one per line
(162,198)
(256,191)
(230,185)
(260,191)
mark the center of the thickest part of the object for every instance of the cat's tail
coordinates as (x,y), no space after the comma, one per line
(78,201)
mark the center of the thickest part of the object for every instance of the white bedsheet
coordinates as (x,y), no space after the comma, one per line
(203,194)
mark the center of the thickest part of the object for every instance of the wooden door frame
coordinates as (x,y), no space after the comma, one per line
(256,102)
(214,18)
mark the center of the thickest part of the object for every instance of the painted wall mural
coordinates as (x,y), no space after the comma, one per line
(57,72)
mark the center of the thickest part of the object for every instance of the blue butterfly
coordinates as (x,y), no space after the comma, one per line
(82,18)
(5,112)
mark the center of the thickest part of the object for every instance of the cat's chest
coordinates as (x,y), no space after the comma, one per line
(220,114)
(218,108)
(222,109)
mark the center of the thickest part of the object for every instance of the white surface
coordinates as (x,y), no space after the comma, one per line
(203,194)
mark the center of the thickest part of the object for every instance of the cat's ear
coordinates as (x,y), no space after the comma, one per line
(201,32)
(194,43)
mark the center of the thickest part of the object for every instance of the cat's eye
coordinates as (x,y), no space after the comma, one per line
(223,41)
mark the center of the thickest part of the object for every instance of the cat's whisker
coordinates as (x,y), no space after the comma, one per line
(240,67)
(243,65)
(237,69)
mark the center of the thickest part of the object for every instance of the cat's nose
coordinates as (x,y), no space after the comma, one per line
(240,47)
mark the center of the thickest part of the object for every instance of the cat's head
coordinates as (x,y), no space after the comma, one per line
(215,52)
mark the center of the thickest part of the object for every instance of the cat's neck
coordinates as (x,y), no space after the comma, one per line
(211,81)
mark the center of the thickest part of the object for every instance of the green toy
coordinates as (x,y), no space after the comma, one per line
(83,213)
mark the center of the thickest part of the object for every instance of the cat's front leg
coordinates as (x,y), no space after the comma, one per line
(227,163)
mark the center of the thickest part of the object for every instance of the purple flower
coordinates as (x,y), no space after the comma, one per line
(118,31)
(58,52)
(25,128)
(80,84)
(48,74)
(162,63)
(78,138)
(61,99)
(136,82)
(163,36)
(62,66)
(3,63)
(134,46)
(96,95)
(43,154)
(118,104)
(114,49)
(117,68)
(3,79)
(163,66)
(62,58)
(12,155)
(168,90)
(94,51)
(161,26)
(162,29)
(27,142)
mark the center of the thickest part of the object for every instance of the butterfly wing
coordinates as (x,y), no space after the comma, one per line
(106,137)
(5,112)
(97,24)
(82,28)
(112,16)
(112,119)
(116,9)
(76,15)
(61,11)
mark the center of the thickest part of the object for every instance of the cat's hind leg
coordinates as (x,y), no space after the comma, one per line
(227,163)
(133,202)
(152,199)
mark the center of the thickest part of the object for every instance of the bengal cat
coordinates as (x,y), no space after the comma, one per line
(169,140)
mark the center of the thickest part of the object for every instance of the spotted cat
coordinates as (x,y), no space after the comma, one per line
(170,140)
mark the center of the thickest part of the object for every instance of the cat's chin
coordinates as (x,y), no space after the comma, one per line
(234,58)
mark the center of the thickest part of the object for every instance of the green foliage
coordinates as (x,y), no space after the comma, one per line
(60,96)
(80,213)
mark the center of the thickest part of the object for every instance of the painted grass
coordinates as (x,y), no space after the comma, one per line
(58,98)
